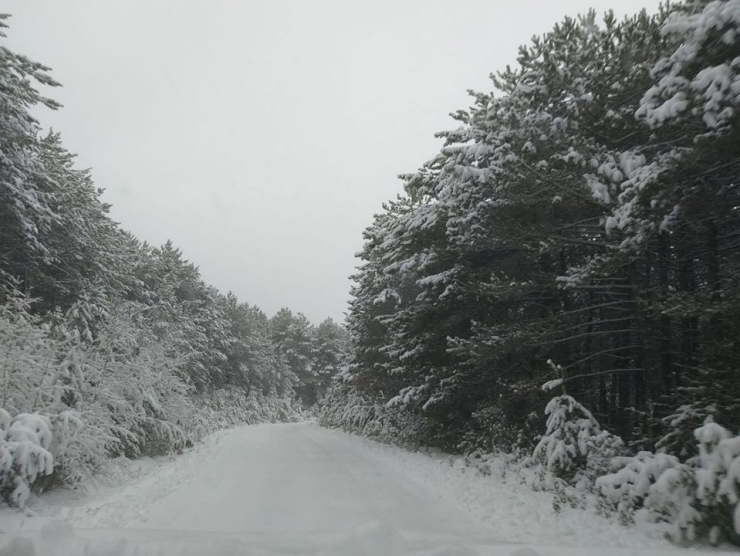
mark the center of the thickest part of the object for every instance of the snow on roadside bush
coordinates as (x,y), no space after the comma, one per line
(699,498)
(90,402)
(68,406)
(691,500)
(632,485)
(696,499)
(81,447)
(718,480)
(574,447)
(229,407)
(564,446)
(344,407)
(25,441)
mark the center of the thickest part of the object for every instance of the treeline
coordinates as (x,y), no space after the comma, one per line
(110,346)
(587,213)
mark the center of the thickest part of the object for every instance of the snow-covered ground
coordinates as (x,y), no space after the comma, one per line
(297,489)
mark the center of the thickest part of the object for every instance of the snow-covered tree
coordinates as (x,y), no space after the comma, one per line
(110,346)
(699,498)
(26,210)
(328,352)
(584,211)
(24,454)
(574,447)
(292,337)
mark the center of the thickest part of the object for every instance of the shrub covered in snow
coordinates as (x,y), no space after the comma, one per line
(574,447)
(228,407)
(346,408)
(105,341)
(631,486)
(696,499)
(25,441)
(718,481)
(68,406)
(563,448)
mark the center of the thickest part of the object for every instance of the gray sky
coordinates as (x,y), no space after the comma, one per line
(261,136)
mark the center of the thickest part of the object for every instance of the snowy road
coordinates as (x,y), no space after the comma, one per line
(298,489)
(298,480)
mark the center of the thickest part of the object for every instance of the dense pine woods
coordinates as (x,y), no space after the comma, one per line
(580,229)
(110,346)
(560,283)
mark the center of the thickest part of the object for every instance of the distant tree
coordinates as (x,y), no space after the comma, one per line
(292,335)
(327,354)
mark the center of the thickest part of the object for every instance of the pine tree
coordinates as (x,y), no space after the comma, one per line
(25,211)
(584,212)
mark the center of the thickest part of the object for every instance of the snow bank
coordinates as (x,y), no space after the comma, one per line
(504,500)
(123,495)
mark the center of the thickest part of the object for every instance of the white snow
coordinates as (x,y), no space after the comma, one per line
(551,384)
(24,452)
(298,489)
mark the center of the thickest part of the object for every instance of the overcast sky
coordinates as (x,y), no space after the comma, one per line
(261,136)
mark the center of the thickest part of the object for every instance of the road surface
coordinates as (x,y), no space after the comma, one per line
(297,489)
(299,482)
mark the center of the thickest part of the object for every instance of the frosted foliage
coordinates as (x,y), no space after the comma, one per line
(712,92)
(344,407)
(229,407)
(692,499)
(406,395)
(24,454)
(718,472)
(602,164)
(80,445)
(387,295)
(603,448)
(26,358)
(635,477)
(659,482)
(105,340)
(22,201)
(570,430)
(122,394)
(552,384)
(671,500)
